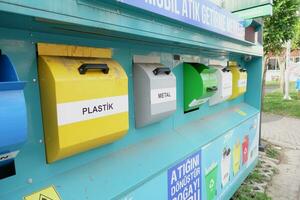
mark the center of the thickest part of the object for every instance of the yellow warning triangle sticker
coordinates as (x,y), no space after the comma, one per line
(43,197)
(45,194)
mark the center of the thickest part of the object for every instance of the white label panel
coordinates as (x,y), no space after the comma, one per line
(78,111)
(8,156)
(226,91)
(226,85)
(163,95)
(242,83)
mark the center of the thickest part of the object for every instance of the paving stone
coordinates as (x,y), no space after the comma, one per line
(285,132)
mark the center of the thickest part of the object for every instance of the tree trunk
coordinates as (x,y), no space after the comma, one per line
(286,95)
(282,72)
(266,61)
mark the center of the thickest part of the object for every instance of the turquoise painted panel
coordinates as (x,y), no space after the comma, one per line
(158,190)
(102,167)
(158,185)
(225,159)
(124,21)
(136,165)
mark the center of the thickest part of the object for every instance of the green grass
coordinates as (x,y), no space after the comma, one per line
(256,176)
(245,193)
(271,152)
(272,83)
(274,103)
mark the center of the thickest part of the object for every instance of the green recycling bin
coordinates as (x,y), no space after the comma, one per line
(200,83)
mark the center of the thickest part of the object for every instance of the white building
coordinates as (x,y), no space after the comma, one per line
(273,70)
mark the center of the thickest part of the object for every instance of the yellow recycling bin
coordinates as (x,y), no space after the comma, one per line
(239,80)
(84,97)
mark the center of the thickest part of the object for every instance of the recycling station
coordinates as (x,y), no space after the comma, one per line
(128,99)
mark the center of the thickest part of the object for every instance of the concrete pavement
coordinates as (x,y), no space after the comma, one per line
(281,130)
(285,132)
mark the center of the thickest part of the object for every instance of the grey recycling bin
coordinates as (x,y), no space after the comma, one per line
(154,92)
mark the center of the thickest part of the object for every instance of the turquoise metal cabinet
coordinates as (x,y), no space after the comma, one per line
(153,161)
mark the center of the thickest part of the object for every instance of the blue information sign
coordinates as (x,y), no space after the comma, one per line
(199,13)
(184,179)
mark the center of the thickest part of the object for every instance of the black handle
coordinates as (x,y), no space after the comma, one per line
(84,67)
(161,70)
(225,69)
(211,89)
(243,70)
(226,152)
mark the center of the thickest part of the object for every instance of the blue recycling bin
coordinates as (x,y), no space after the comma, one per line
(298,84)
(13,116)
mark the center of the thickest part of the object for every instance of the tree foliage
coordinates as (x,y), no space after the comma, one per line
(280,27)
(296,38)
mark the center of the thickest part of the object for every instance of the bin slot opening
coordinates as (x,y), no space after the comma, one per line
(7,72)
(192,110)
(85,67)
(161,70)
(7,170)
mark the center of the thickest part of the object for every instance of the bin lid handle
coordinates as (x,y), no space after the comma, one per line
(160,70)
(84,67)
(225,69)
(242,70)
(212,89)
